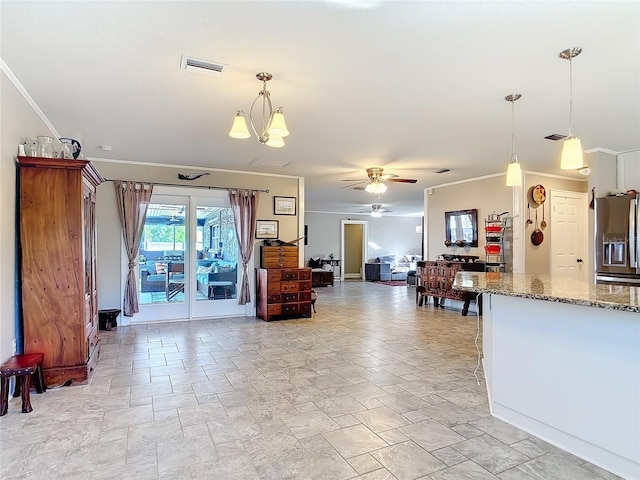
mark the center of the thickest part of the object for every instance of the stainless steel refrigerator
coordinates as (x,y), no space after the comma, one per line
(617,247)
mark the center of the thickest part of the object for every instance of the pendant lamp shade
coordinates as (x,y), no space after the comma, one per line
(239,128)
(275,141)
(278,126)
(571,154)
(514,174)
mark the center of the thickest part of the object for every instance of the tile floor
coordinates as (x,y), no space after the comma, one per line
(372,387)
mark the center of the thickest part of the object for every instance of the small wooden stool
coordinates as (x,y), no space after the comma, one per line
(23,367)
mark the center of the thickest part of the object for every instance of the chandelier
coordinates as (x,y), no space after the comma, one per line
(514,172)
(272,124)
(571,148)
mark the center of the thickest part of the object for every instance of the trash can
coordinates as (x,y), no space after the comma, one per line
(107,319)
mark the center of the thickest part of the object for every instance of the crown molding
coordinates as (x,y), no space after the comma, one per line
(23,91)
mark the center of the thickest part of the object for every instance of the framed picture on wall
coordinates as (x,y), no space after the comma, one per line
(266,228)
(284,205)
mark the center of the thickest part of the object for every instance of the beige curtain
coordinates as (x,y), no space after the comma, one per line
(133,200)
(243,205)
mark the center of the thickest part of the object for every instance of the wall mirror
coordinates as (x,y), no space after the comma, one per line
(462,228)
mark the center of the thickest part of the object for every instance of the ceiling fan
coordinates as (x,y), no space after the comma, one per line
(376,210)
(377,180)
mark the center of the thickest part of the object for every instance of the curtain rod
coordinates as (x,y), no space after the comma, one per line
(191,186)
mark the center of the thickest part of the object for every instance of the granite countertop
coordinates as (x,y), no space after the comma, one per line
(553,289)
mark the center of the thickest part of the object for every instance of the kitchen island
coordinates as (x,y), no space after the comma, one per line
(562,361)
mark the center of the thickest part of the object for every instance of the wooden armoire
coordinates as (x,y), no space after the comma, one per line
(58,244)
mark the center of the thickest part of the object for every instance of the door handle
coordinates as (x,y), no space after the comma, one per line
(579,260)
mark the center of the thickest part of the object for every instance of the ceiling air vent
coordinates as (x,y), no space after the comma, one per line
(555,137)
(269,163)
(205,67)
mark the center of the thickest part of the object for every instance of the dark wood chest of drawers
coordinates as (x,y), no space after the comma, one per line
(279,256)
(435,279)
(284,293)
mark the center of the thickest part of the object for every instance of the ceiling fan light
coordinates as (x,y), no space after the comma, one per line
(239,128)
(514,174)
(376,186)
(571,154)
(278,125)
(376,214)
(275,141)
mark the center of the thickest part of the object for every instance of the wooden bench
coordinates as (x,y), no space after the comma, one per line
(23,367)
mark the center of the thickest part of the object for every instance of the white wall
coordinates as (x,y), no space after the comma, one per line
(487,195)
(394,235)
(537,258)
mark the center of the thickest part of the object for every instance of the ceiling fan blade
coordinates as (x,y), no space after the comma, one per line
(402,180)
(354,184)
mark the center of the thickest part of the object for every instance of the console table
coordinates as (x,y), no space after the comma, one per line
(335,263)
(435,279)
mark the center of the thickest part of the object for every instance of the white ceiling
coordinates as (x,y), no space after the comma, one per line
(409,86)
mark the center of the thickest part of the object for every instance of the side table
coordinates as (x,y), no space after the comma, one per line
(335,263)
(107,319)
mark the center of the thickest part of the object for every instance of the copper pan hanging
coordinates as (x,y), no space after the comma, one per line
(537,236)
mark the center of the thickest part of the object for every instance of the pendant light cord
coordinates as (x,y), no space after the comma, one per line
(570,96)
(513,130)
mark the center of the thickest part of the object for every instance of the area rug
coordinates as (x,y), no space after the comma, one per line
(394,283)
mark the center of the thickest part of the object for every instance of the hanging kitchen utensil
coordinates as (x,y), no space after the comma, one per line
(529,221)
(543,223)
(538,194)
(537,236)
(593,197)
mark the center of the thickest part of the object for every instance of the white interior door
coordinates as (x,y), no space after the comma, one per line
(569,242)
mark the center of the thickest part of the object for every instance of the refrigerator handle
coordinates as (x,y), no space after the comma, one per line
(634,245)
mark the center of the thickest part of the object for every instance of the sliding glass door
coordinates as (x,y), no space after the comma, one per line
(188,257)
(215,266)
